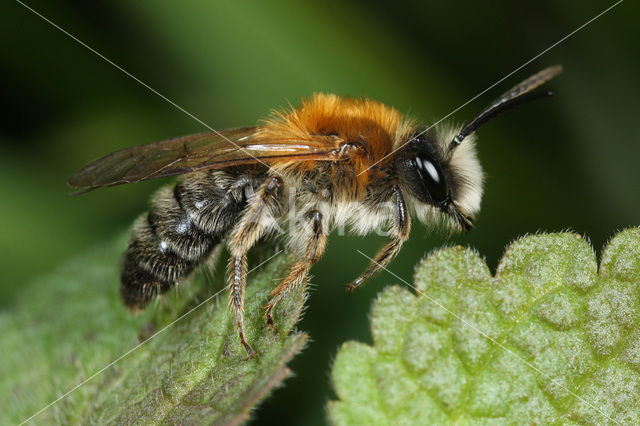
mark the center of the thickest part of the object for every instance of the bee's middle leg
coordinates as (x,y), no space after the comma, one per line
(316,240)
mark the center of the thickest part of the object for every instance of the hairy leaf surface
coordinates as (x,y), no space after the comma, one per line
(71,324)
(550,338)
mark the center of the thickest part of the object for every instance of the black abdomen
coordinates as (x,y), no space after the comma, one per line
(184,224)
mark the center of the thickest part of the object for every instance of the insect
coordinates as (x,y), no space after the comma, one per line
(346,160)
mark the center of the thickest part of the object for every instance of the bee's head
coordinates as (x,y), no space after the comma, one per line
(443,174)
(442,182)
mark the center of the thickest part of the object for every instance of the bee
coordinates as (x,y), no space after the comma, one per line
(346,160)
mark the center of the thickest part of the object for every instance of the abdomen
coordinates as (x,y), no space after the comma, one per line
(185,223)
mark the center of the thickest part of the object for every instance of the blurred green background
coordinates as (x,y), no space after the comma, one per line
(566,163)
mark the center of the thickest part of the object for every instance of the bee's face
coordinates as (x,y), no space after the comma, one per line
(436,178)
(420,166)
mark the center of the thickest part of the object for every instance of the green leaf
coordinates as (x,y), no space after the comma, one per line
(549,339)
(71,324)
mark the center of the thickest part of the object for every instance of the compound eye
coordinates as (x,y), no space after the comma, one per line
(433,179)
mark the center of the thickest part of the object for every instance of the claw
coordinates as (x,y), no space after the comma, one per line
(269,317)
(351,287)
(249,350)
(247,347)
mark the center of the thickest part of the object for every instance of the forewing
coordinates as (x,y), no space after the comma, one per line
(197,152)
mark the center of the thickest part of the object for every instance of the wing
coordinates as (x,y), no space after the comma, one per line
(200,152)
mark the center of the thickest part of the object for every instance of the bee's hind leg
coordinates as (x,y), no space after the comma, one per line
(249,229)
(316,239)
(238,267)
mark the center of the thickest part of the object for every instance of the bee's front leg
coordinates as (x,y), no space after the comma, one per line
(244,235)
(400,227)
(316,240)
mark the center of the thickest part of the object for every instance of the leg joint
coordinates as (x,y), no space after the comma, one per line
(315,217)
(274,184)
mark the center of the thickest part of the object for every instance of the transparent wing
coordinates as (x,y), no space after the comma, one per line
(198,152)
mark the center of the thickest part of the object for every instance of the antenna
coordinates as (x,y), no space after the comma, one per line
(519,94)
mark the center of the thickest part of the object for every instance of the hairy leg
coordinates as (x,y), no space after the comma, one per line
(400,227)
(244,235)
(315,242)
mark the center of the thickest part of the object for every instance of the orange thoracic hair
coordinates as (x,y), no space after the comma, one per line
(374,128)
